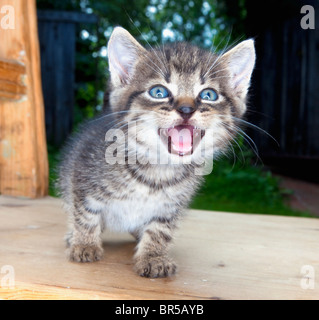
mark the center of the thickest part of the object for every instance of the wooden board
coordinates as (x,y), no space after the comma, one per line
(23,154)
(12,75)
(220,256)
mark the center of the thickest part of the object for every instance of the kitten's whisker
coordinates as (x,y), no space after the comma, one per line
(220,55)
(250,125)
(218,71)
(241,132)
(162,53)
(155,51)
(117,122)
(233,151)
(127,123)
(161,50)
(162,62)
(255,127)
(245,136)
(251,143)
(215,65)
(140,127)
(122,120)
(221,77)
(212,53)
(226,48)
(234,139)
(159,71)
(114,113)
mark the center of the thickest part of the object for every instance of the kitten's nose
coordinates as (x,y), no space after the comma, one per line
(186,111)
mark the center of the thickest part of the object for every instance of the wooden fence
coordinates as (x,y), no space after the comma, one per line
(289,90)
(285,92)
(57,35)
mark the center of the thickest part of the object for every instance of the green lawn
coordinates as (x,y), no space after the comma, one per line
(246,188)
(236,187)
(54,158)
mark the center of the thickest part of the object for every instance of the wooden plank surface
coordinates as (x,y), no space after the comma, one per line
(220,256)
(12,75)
(23,152)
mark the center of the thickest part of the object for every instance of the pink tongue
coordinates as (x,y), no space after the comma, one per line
(181,138)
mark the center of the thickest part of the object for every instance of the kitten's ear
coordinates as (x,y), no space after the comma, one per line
(240,62)
(123,53)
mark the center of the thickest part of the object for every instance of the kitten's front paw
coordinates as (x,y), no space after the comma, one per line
(82,253)
(155,267)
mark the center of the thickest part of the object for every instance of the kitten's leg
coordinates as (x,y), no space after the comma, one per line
(151,257)
(83,239)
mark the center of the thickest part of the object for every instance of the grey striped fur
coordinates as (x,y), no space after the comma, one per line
(146,199)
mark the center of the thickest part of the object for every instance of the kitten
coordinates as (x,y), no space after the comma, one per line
(178,103)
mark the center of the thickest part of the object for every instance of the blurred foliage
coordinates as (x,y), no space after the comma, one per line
(53,157)
(240,183)
(246,188)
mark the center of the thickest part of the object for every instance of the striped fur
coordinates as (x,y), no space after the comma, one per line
(144,198)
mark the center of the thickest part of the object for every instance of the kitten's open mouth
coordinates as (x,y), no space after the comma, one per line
(182,139)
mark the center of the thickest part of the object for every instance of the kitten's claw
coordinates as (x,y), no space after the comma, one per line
(81,253)
(155,267)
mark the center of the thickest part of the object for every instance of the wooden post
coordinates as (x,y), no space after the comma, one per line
(23,152)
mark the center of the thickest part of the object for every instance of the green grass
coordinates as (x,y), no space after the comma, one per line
(234,187)
(54,155)
(245,188)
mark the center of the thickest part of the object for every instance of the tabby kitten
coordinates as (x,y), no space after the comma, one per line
(178,103)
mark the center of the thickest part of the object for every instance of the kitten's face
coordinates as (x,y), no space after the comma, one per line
(183,99)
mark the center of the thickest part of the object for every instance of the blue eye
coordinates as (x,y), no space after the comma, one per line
(209,94)
(159,92)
